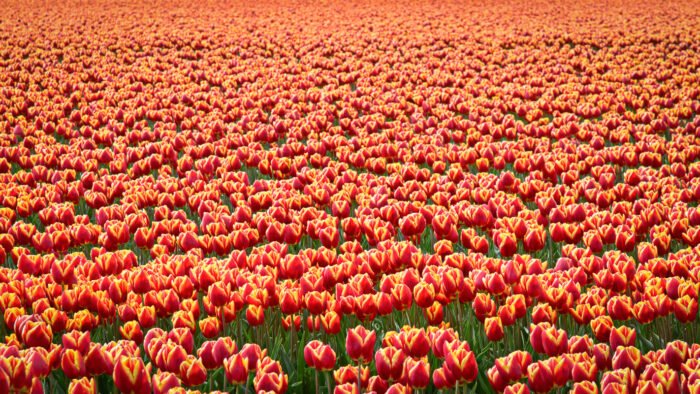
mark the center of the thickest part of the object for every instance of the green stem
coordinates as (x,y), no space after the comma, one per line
(316,379)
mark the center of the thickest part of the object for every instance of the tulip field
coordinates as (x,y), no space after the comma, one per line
(350,197)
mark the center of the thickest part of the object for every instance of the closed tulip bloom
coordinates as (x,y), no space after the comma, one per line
(348,374)
(192,372)
(622,336)
(83,385)
(77,340)
(389,362)
(255,314)
(461,364)
(236,369)
(442,379)
(627,357)
(494,329)
(131,376)
(164,381)
(540,377)
(223,348)
(210,326)
(273,382)
(73,364)
(359,344)
(346,388)
(131,331)
(417,372)
(37,334)
(517,388)
(424,294)
(585,387)
(252,352)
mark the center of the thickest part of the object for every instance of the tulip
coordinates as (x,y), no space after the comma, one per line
(73,364)
(496,379)
(442,379)
(377,385)
(164,381)
(461,364)
(77,340)
(210,326)
(223,348)
(83,385)
(319,356)
(255,315)
(424,294)
(274,382)
(540,377)
(389,363)
(252,353)
(192,372)
(96,361)
(182,337)
(517,388)
(622,336)
(37,334)
(416,342)
(627,357)
(585,387)
(359,344)
(131,331)
(131,375)
(417,372)
(349,374)
(346,388)
(236,369)
(494,329)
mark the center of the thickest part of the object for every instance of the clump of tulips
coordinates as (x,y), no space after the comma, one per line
(367,198)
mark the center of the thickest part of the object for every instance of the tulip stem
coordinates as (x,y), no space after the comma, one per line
(223,320)
(328,381)
(359,377)
(316,379)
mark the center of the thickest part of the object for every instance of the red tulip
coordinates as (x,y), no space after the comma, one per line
(461,364)
(360,344)
(83,385)
(131,375)
(417,372)
(131,331)
(236,368)
(622,336)
(37,334)
(540,377)
(494,328)
(274,382)
(255,315)
(192,372)
(389,363)
(164,381)
(73,364)
(627,357)
(586,387)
